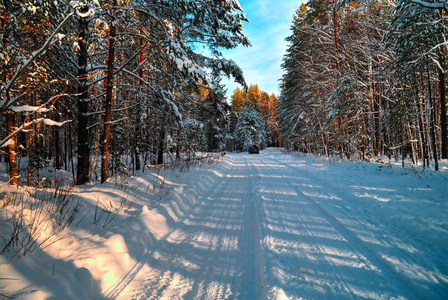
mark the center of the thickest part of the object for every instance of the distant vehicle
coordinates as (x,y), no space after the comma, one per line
(254,149)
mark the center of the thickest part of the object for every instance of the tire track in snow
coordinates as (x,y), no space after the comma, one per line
(130,274)
(402,253)
(227,245)
(254,272)
(273,196)
(400,283)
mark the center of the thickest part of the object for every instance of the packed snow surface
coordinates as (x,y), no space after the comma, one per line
(269,226)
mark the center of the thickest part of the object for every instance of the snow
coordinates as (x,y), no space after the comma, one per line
(76,48)
(60,36)
(269,226)
(7,143)
(182,61)
(85,14)
(29,108)
(50,122)
(430,5)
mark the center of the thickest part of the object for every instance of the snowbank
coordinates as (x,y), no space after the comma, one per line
(118,222)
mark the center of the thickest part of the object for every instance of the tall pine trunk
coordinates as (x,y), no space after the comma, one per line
(57,145)
(30,157)
(432,124)
(161,146)
(140,82)
(82,175)
(442,94)
(108,105)
(422,128)
(9,117)
(12,155)
(433,135)
(443,118)
(136,153)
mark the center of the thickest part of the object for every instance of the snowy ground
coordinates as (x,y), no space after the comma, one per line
(268,226)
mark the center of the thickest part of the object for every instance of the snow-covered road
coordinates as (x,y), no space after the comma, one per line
(272,226)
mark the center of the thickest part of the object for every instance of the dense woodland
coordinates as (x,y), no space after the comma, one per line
(254,118)
(367,78)
(126,81)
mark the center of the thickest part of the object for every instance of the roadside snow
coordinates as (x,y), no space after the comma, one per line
(273,225)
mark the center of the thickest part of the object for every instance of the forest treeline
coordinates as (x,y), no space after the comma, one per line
(108,79)
(254,118)
(367,78)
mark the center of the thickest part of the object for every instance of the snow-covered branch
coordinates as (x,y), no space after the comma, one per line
(26,62)
(444,44)
(5,142)
(432,5)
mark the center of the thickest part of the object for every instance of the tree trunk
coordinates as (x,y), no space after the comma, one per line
(335,35)
(443,118)
(422,134)
(30,157)
(108,105)
(97,146)
(412,142)
(12,156)
(140,81)
(433,138)
(82,175)
(403,147)
(160,150)
(432,129)
(136,155)
(9,117)
(57,146)
(432,124)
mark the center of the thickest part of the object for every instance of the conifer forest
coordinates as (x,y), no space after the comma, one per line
(366,79)
(124,83)
(223,149)
(82,80)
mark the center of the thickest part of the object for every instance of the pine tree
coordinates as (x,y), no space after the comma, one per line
(125,93)
(251,129)
(416,34)
(29,29)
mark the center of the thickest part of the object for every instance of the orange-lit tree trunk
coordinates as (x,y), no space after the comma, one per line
(12,155)
(108,104)
(30,154)
(13,174)
(443,118)
(335,33)
(140,81)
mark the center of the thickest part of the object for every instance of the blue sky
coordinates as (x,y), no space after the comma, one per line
(269,25)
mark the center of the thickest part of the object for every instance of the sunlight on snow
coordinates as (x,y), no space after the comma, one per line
(279,294)
(371,188)
(109,279)
(327,235)
(368,196)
